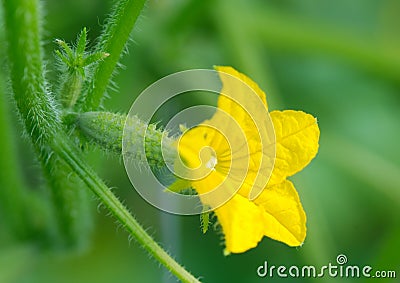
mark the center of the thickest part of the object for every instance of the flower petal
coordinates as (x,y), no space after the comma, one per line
(243,100)
(297,136)
(276,213)
(242,223)
(284,217)
(231,85)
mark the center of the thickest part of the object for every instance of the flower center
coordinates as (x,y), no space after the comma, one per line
(211,163)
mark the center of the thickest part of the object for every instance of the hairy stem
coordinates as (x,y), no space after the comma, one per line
(36,106)
(73,209)
(71,89)
(42,122)
(41,117)
(120,212)
(113,41)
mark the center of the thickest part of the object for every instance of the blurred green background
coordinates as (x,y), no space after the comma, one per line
(338,60)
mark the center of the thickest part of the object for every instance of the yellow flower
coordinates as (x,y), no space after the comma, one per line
(238,162)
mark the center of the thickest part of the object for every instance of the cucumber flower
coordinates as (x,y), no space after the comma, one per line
(239,160)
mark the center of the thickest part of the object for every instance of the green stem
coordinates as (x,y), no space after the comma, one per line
(42,122)
(41,116)
(36,106)
(71,89)
(112,41)
(119,210)
(71,204)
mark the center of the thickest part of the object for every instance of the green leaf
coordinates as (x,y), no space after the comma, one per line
(81,45)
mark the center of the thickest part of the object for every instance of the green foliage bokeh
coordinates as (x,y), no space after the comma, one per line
(338,60)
